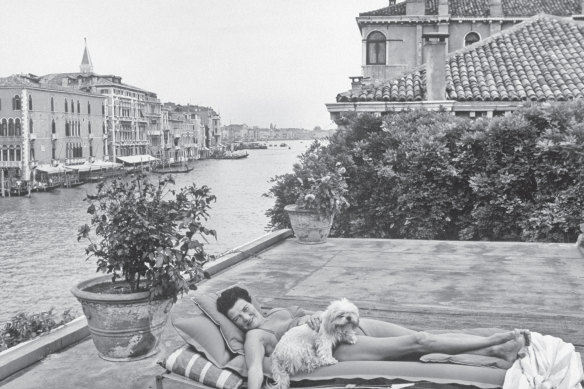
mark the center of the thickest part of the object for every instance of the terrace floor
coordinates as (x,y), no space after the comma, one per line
(418,284)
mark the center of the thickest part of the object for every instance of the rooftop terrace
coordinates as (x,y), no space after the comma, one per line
(418,284)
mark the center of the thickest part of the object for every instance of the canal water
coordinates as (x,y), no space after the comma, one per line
(41,259)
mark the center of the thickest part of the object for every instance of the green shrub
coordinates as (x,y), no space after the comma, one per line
(26,326)
(430,175)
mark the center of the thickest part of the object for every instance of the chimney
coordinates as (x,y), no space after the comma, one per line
(495,9)
(415,7)
(435,58)
(356,83)
(391,2)
(443,7)
(579,17)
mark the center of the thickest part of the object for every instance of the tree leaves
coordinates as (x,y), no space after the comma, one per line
(147,231)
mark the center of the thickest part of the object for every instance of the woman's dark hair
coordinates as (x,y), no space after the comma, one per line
(229,296)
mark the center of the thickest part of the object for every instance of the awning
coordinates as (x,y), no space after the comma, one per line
(97,165)
(133,159)
(51,169)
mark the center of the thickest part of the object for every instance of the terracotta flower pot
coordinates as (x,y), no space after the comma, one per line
(124,327)
(309,227)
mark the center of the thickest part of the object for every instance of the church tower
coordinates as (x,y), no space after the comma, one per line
(86,64)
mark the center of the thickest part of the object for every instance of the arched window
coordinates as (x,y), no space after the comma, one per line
(89,127)
(66,106)
(11,153)
(16,103)
(0,104)
(52,105)
(10,127)
(17,131)
(4,128)
(17,156)
(78,107)
(72,106)
(88,108)
(30,125)
(29,102)
(4,155)
(376,48)
(67,129)
(471,37)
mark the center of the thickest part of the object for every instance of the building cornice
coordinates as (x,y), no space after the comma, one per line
(447,105)
(387,106)
(434,19)
(50,88)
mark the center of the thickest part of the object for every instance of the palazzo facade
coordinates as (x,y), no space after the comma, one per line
(45,125)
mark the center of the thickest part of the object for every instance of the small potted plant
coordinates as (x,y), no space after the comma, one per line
(319,189)
(145,235)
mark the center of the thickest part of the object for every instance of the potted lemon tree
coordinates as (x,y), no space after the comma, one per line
(315,191)
(147,236)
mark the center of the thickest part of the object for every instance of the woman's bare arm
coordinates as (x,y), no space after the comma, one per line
(254,357)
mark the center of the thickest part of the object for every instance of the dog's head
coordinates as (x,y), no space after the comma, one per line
(340,316)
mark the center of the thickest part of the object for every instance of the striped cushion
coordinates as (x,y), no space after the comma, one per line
(187,362)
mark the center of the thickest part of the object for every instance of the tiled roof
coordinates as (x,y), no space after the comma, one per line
(539,59)
(481,8)
(24,81)
(17,80)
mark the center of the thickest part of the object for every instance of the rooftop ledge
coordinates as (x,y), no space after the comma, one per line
(416,283)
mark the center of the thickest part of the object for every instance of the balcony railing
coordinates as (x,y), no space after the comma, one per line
(10,164)
(75,161)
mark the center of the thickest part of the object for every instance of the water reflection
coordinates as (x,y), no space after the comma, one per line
(41,258)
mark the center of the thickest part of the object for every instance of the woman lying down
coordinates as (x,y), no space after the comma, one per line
(280,333)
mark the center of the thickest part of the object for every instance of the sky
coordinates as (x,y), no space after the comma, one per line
(256,62)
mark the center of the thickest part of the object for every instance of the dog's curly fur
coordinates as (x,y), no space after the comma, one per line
(302,350)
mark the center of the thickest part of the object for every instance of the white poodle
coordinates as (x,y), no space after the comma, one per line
(302,349)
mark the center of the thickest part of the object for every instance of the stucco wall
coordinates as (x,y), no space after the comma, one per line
(42,118)
(404,43)
(401,48)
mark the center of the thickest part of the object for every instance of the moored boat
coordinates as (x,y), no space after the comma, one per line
(45,186)
(172,169)
(230,155)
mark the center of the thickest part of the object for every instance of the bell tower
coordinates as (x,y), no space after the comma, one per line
(86,64)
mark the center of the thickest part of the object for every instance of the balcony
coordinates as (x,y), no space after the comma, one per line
(75,161)
(16,164)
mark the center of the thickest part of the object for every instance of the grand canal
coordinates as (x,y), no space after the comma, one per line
(41,258)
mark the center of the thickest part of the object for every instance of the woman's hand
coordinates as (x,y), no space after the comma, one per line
(313,321)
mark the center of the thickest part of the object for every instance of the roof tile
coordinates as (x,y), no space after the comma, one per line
(481,8)
(539,59)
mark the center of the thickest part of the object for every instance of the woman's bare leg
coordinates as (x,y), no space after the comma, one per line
(419,343)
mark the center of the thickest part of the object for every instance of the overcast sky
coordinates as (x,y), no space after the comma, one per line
(254,61)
